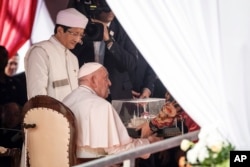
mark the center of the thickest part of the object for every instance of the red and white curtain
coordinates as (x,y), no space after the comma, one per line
(16,22)
(24,22)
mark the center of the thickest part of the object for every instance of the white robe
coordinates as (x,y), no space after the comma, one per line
(51,69)
(98,124)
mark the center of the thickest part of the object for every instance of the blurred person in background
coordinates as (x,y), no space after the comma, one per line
(12,65)
(11,71)
(10,87)
(114,50)
(11,135)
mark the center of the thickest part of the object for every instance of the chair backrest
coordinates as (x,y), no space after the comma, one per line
(50,133)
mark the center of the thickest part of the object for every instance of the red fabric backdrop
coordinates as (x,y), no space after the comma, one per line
(16,21)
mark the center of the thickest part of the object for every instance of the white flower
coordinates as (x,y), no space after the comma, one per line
(192,156)
(215,155)
(212,148)
(216,146)
(215,141)
(203,154)
(200,150)
(186,144)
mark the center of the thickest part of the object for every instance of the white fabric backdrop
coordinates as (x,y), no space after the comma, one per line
(200,50)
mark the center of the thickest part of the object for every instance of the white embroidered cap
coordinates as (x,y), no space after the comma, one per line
(71,17)
(88,68)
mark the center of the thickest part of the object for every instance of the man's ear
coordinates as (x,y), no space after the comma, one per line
(60,30)
(94,81)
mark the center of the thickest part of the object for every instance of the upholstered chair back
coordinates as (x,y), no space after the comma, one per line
(50,133)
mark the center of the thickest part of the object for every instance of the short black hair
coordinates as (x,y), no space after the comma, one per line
(65,28)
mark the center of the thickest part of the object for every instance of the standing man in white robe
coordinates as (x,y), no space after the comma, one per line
(99,127)
(50,67)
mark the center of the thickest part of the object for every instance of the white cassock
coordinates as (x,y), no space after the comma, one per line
(99,127)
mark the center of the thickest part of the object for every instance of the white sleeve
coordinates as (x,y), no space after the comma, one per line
(135,143)
(37,72)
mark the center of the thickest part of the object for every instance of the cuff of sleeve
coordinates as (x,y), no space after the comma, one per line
(153,127)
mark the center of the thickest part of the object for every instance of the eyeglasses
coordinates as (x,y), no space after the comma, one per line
(12,63)
(74,34)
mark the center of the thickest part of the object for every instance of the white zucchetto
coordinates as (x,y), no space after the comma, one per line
(88,68)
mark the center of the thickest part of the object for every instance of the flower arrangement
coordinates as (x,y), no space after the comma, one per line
(211,150)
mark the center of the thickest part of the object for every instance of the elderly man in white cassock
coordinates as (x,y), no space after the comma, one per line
(50,67)
(99,127)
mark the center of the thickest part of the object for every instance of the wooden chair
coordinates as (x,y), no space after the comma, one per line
(50,133)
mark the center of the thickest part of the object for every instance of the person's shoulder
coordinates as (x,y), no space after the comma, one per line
(38,47)
(42,42)
(99,101)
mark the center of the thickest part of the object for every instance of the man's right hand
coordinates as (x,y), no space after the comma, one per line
(106,35)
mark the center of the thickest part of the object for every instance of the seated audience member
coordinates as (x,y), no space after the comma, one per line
(10,87)
(10,130)
(12,65)
(99,127)
(11,71)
